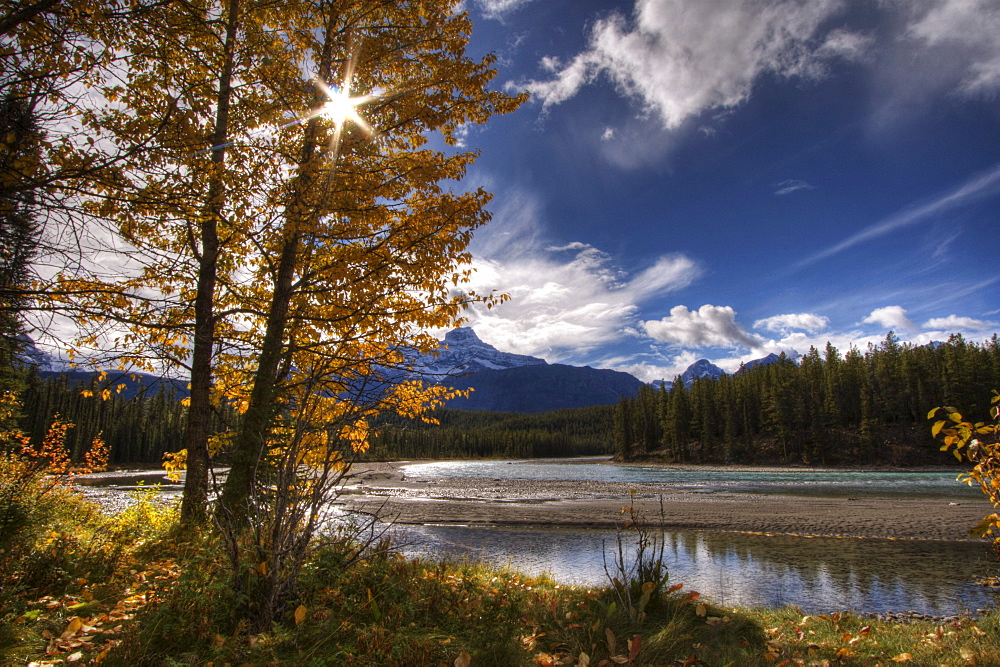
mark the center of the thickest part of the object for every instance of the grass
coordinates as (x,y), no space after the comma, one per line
(131,590)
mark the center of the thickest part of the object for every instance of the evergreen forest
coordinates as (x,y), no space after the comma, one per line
(858,408)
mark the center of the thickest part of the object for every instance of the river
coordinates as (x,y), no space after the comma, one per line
(818,574)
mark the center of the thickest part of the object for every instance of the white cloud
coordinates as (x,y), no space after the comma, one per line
(565,300)
(561,308)
(956,323)
(679,59)
(792,185)
(709,326)
(497,9)
(891,317)
(966,33)
(808,322)
(608,134)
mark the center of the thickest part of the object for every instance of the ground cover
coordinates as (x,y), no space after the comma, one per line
(130,589)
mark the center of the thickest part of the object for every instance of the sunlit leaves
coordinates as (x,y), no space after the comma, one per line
(978,443)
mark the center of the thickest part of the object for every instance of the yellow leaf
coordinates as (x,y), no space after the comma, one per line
(984,526)
(71,629)
(902,657)
(300,614)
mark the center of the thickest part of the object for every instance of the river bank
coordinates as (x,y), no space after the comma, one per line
(384,488)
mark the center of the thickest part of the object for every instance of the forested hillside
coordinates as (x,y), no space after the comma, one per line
(140,427)
(859,407)
(468,434)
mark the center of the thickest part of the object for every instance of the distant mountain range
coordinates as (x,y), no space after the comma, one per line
(501,381)
(505,382)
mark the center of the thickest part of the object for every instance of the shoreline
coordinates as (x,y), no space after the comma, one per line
(382,487)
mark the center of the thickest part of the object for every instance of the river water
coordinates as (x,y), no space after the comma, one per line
(817,574)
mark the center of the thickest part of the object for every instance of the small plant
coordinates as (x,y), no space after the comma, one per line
(637,573)
(978,443)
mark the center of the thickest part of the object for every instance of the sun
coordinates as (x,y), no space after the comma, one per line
(341,108)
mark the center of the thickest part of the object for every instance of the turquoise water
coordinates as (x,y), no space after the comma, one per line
(709,480)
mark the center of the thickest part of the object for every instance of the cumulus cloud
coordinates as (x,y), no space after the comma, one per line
(808,322)
(891,317)
(565,300)
(792,185)
(679,58)
(956,323)
(709,326)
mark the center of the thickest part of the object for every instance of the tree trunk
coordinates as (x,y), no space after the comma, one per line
(194,505)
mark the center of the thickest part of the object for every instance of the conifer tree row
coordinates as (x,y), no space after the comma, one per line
(829,408)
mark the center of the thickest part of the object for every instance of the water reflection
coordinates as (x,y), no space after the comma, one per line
(817,574)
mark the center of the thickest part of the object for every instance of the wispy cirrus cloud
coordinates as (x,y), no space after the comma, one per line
(792,185)
(977,188)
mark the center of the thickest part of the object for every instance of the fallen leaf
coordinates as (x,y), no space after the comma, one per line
(902,657)
(71,629)
(634,645)
(463,660)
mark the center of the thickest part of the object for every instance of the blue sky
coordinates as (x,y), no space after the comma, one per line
(723,180)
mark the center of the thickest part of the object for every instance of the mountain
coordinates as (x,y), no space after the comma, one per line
(41,361)
(542,388)
(766,361)
(506,382)
(462,352)
(703,368)
(48,366)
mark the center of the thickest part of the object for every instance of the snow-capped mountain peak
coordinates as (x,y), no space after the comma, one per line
(462,351)
(703,368)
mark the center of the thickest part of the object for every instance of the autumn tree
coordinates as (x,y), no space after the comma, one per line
(288,235)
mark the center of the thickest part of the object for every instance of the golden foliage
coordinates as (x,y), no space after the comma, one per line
(978,443)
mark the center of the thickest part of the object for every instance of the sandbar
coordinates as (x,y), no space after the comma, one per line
(382,488)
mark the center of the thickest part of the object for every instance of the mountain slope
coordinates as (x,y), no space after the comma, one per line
(541,388)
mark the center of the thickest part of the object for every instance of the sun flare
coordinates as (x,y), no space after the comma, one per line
(341,108)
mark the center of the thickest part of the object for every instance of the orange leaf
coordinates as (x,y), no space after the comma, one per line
(71,629)
(300,614)
(634,645)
